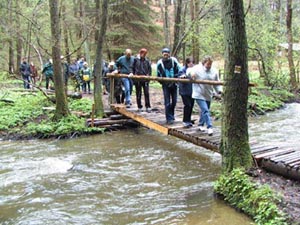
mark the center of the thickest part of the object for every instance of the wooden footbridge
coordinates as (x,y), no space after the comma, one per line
(283,161)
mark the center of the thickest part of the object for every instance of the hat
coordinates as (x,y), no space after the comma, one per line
(62,57)
(165,50)
(111,64)
(85,63)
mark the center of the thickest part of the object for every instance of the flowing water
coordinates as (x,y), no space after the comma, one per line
(126,177)
(116,178)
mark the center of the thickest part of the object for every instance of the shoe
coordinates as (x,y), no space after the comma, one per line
(210,131)
(187,125)
(127,105)
(169,122)
(140,110)
(202,128)
(148,110)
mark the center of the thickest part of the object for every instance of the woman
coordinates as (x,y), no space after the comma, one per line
(185,90)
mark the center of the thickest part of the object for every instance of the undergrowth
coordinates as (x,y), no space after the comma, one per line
(25,114)
(258,201)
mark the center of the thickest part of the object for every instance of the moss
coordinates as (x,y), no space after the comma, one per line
(260,202)
(26,117)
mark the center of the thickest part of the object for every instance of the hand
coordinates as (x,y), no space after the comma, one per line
(130,75)
(115,71)
(182,76)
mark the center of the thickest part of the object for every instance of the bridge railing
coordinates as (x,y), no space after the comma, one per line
(112,76)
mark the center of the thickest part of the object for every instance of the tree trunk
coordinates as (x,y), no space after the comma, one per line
(60,94)
(165,17)
(99,109)
(289,18)
(84,32)
(11,62)
(235,148)
(19,38)
(194,5)
(177,28)
(65,33)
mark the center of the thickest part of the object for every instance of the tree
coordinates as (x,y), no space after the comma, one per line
(60,94)
(99,110)
(235,148)
(289,17)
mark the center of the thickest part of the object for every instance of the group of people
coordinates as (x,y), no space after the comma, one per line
(169,67)
(29,73)
(78,70)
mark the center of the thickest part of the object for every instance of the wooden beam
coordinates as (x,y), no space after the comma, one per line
(165,79)
(121,109)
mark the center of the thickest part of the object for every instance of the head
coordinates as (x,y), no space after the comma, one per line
(128,53)
(143,52)
(24,60)
(74,60)
(207,62)
(50,61)
(111,65)
(85,64)
(62,58)
(166,53)
(189,62)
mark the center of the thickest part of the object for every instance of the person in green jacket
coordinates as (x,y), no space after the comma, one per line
(86,76)
(48,72)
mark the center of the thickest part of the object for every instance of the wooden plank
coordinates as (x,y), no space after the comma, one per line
(165,79)
(121,109)
(278,158)
(267,154)
(263,149)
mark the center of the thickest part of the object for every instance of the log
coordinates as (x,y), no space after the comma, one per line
(107,122)
(165,79)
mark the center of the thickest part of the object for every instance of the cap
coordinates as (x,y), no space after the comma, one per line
(111,64)
(167,50)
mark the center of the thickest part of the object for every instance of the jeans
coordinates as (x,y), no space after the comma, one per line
(170,99)
(204,114)
(127,83)
(48,78)
(86,84)
(188,103)
(26,81)
(139,85)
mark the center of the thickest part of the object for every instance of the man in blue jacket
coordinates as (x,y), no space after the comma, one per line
(168,67)
(124,65)
(25,72)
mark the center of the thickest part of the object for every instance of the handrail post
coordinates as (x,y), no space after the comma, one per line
(112,90)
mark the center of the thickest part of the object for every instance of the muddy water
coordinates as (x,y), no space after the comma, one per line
(279,128)
(130,177)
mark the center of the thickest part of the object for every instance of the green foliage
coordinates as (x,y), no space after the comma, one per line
(24,109)
(83,104)
(65,126)
(260,202)
(27,117)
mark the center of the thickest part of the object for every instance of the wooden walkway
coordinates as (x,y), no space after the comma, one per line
(282,161)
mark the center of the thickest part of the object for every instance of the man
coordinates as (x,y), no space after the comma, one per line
(48,72)
(168,67)
(124,65)
(74,74)
(203,93)
(25,72)
(142,66)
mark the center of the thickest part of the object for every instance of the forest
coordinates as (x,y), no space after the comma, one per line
(189,28)
(253,41)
